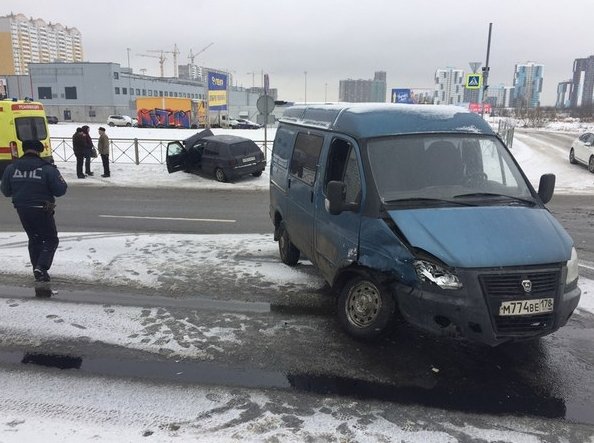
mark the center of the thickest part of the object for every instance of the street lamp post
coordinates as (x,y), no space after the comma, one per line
(305,92)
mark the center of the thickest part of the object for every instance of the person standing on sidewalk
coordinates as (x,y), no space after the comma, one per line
(33,184)
(88,149)
(103,148)
(79,145)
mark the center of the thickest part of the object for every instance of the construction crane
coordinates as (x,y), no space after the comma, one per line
(192,56)
(175,52)
(161,58)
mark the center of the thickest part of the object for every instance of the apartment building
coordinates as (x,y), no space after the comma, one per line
(449,86)
(528,78)
(27,40)
(582,87)
(363,91)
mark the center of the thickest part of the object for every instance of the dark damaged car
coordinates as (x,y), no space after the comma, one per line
(225,157)
(420,212)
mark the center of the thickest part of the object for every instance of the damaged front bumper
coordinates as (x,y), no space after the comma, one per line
(473,311)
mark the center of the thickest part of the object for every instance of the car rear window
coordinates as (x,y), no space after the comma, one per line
(244,148)
(30,128)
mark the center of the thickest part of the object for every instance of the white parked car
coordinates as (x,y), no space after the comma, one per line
(120,120)
(582,151)
(243,123)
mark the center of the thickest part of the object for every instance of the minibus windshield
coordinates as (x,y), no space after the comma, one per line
(461,168)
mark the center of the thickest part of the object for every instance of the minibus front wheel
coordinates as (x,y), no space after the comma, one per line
(289,253)
(365,307)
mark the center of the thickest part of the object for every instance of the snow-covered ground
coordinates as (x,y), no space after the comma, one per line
(117,258)
(142,260)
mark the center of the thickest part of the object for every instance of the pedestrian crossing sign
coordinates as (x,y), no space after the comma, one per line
(474,81)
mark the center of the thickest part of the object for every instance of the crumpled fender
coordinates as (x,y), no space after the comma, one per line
(381,250)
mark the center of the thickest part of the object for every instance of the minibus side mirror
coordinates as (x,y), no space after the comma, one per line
(546,187)
(335,198)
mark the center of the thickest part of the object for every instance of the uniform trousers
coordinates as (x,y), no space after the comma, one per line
(40,227)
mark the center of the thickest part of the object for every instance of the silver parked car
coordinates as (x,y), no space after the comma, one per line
(582,151)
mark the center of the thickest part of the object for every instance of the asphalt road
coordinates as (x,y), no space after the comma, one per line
(96,209)
(294,343)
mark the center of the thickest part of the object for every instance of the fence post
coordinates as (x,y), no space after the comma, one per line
(136,154)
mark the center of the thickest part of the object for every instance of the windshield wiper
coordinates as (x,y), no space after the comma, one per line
(426,201)
(492,194)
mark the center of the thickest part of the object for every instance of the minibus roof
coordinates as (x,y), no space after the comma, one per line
(364,120)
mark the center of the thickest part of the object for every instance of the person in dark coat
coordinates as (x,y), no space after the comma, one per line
(79,145)
(88,149)
(34,184)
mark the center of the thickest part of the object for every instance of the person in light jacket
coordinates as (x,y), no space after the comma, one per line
(103,149)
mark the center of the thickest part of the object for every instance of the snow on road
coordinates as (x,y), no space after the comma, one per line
(73,408)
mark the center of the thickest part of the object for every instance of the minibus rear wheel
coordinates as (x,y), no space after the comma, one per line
(288,251)
(365,307)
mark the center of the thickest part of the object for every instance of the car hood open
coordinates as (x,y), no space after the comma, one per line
(486,236)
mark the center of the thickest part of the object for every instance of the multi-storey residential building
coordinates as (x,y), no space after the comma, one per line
(582,88)
(362,91)
(449,86)
(500,96)
(25,40)
(528,79)
(564,94)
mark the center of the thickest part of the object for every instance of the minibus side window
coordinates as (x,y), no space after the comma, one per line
(343,166)
(304,162)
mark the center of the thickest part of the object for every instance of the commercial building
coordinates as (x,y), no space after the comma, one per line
(449,86)
(364,91)
(26,40)
(528,78)
(89,92)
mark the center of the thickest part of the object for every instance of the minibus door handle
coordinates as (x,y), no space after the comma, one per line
(311,196)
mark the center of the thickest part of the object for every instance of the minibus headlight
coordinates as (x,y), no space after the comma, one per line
(436,274)
(572,268)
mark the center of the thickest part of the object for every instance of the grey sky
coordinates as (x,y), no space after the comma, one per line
(331,39)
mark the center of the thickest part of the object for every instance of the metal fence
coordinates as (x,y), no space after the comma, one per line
(506,131)
(129,150)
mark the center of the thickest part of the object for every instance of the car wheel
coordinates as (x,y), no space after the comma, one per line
(591,164)
(111,124)
(365,307)
(572,157)
(128,124)
(220,175)
(289,253)
(257,173)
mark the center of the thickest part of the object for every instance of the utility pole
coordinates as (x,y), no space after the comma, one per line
(486,73)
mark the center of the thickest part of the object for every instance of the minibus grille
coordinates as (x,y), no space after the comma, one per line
(499,288)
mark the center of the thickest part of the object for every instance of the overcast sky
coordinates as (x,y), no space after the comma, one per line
(331,39)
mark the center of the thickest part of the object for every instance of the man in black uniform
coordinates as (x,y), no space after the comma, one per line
(33,185)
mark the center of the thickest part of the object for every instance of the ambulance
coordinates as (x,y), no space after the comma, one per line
(22,120)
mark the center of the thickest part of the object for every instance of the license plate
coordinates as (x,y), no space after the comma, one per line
(249,159)
(526,307)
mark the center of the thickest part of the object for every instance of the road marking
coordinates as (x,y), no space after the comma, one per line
(169,218)
(581,265)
